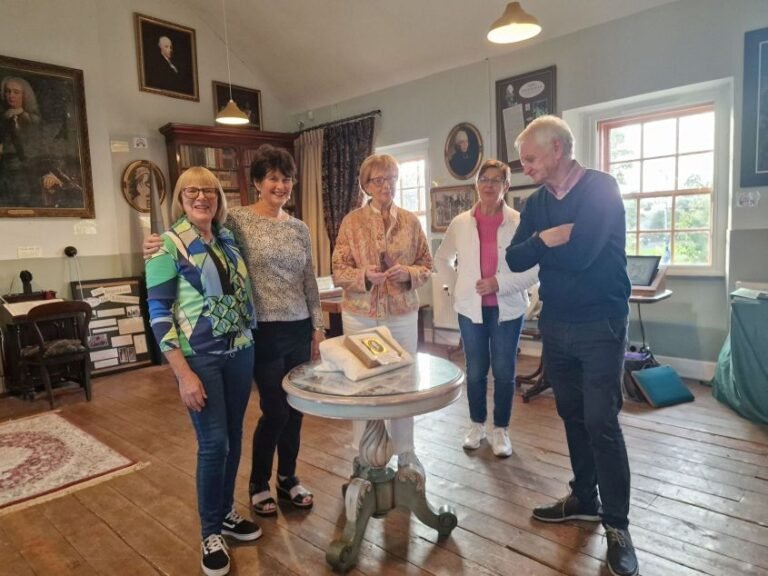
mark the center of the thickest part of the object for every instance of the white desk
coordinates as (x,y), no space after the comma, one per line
(375,489)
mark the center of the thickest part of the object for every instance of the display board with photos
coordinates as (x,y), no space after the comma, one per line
(117,333)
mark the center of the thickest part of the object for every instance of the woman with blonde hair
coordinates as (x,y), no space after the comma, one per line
(202,314)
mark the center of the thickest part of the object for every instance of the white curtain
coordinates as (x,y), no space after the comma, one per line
(309,151)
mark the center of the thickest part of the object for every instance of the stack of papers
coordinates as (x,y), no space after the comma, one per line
(750,294)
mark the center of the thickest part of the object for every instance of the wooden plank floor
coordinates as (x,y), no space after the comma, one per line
(699,495)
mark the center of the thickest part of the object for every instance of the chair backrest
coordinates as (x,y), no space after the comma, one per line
(75,311)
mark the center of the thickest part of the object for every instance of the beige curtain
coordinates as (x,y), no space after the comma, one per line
(309,151)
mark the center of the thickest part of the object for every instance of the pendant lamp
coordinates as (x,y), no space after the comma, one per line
(230,114)
(515,25)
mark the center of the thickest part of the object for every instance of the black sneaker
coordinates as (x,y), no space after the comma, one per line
(237,527)
(215,557)
(568,508)
(621,553)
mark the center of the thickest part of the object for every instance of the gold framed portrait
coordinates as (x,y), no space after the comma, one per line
(139,178)
(463,151)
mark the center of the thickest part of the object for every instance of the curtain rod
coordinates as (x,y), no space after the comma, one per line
(337,122)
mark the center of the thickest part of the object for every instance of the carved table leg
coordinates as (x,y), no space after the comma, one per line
(360,504)
(411,494)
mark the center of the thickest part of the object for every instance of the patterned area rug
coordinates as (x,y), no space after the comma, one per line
(46,456)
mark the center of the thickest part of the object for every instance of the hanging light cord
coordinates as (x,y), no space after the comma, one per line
(226,46)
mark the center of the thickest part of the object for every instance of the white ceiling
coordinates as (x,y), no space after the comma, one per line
(318,52)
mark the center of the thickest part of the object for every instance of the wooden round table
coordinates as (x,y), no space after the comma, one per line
(375,489)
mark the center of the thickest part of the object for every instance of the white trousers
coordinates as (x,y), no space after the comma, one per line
(404,328)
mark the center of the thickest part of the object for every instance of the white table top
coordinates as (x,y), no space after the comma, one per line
(429,384)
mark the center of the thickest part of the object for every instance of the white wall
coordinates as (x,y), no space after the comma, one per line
(98,37)
(685,42)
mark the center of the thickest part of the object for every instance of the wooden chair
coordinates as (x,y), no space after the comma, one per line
(58,333)
(536,380)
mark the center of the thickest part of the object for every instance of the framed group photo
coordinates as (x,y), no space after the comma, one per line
(247,99)
(45,161)
(167,58)
(463,151)
(447,202)
(754,122)
(519,100)
(517,195)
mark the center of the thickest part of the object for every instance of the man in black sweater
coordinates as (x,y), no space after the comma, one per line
(573,228)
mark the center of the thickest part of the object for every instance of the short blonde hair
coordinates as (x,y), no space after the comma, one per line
(546,129)
(204,178)
(382,162)
(499,165)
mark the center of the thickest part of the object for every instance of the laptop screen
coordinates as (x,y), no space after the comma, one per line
(642,269)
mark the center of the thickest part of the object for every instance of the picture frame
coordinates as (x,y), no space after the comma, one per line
(117,333)
(447,202)
(138,179)
(754,121)
(463,151)
(519,100)
(247,99)
(45,159)
(167,58)
(517,195)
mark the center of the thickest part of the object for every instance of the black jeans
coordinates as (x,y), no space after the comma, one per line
(279,346)
(584,363)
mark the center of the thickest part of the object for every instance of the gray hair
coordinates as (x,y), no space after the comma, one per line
(29,101)
(545,130)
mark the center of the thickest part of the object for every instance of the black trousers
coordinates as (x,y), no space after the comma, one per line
(279,347)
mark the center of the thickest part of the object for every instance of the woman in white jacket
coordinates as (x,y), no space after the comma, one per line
(490,300)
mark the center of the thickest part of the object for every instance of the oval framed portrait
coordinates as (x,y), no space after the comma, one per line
(138,178)
(463,151)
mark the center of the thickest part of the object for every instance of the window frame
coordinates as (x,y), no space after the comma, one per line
(718,94)
(604,135)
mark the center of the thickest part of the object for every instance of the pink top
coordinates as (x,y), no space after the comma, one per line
(487,228)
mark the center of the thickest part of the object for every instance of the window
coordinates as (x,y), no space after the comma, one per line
(671,154)
(664,164)
(411,193)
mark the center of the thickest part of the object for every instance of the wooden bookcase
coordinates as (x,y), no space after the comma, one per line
(226,152)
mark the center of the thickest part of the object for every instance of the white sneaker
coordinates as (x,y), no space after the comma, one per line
(500,443)
(475,435)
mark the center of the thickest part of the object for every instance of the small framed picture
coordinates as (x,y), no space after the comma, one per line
(247,99)
(167,57)
(447,202)
(139,178)
(517,195)
(463,151)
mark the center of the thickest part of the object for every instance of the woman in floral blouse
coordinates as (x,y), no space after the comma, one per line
(380,259)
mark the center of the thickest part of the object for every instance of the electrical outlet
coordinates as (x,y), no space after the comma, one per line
(29,252)
(634,346)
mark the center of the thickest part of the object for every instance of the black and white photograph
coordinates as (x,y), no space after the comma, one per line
(449,201)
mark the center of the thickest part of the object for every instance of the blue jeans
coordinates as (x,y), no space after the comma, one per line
(584,363)
(219,428)
(492,344)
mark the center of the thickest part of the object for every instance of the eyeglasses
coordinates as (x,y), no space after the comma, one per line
(379,181)
(193,192)
(492,181)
